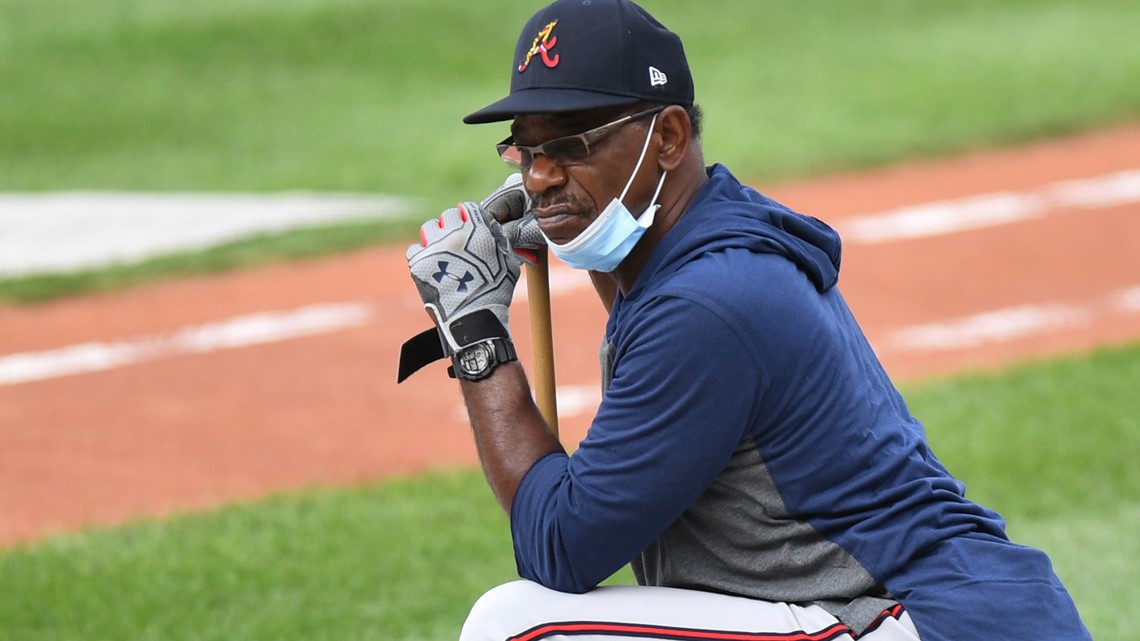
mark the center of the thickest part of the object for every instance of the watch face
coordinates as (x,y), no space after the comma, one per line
(476,358)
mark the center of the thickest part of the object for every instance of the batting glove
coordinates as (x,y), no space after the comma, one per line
(466,266)
(510,205)
(462,265)
(509,202)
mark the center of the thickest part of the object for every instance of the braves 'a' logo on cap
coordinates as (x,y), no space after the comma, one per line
(543,43)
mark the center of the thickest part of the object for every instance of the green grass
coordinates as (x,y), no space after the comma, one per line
(1051,445)
(366,95)
(395,561)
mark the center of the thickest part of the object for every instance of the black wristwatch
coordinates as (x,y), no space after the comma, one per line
(476,362)
(485,342)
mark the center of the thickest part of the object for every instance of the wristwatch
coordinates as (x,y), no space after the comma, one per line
(476,361)
(485,344)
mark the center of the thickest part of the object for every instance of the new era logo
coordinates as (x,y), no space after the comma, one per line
(657,78)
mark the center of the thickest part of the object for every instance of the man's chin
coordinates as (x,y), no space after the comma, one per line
(560,228)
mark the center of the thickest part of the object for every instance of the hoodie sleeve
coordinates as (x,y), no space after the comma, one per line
(668,424)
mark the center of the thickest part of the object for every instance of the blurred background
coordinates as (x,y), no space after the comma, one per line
(366,96)
(301,131)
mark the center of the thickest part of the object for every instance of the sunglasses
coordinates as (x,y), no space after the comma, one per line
(567,149)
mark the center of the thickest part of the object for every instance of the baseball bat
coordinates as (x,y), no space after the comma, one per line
(542,338)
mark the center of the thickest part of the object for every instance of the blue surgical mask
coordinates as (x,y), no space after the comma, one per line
(613,234)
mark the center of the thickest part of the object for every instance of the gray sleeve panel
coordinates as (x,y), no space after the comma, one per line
(738,538)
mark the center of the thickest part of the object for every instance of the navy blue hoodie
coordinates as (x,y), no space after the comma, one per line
(749,442)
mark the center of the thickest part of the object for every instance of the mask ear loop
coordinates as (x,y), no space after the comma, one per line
(637,167)
(647,216)
(660,183)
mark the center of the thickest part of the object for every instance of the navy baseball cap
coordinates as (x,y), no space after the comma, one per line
(575,55)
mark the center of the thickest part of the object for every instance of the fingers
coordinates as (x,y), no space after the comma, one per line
(456,219)
(462,264)
(508,205)
(525,233)
(509,201)
(524,238)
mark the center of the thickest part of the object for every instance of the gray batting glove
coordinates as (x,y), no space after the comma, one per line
(511,206)
(509,202)
(464,264)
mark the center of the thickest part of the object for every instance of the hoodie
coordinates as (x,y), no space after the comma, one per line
(749,442)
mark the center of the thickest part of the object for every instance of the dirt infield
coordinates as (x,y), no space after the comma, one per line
(186,395)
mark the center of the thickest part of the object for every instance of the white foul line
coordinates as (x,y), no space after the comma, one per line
(967,332)
(241,331)
(942,217)
(993,326)
(989,210)
(1010,323)
(1128,300)
(948,216)
(988,327)
(61,231)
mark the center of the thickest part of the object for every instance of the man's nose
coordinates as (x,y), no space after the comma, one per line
(543,174)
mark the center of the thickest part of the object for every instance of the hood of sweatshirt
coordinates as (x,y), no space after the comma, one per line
(726,214)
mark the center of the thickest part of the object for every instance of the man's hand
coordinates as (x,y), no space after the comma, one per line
(510,205)
(465,267)
(509,202)
(463,264)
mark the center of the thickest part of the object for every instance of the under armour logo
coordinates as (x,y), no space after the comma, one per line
(467,277)
(657,78)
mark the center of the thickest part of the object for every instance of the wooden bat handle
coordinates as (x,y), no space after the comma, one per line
(542,338)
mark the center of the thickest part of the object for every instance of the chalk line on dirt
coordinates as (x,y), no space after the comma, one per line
(241,331)
(967,332)
(994,326)
(78,228)
(63,231)
(1011,323)
(990,210)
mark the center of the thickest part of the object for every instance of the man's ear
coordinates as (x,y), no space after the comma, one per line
(676,132)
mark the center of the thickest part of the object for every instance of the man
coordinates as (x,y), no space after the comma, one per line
(750,457)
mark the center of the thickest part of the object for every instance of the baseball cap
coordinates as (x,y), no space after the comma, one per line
(575,55)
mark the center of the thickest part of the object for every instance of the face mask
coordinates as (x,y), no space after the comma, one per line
(613,234)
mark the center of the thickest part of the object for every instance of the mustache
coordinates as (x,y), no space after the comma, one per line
(561,200)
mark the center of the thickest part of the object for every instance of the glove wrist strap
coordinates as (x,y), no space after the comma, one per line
(431,345)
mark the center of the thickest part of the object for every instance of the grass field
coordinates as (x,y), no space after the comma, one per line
(1053,446)
(366,95)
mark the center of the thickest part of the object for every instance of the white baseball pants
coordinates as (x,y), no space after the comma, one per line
(526,611)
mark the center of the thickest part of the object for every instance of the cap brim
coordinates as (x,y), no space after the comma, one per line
(546,101)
